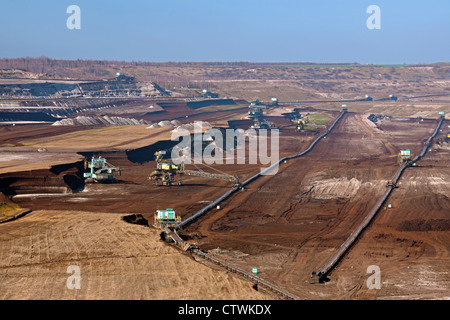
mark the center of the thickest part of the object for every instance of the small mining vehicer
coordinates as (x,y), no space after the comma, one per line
(165,219)
(405,156)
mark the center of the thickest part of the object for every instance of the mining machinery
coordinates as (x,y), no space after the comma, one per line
(296,118)
(391,184)
(227,177)
(100,170)
(301,124)
(208,94)
(165,172)
(257,115)
(165,219)
(405,156)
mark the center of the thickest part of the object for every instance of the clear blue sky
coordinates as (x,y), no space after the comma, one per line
(228,30)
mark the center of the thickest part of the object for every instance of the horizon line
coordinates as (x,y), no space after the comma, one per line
(231,61)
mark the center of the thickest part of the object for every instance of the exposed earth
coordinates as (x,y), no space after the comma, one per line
(287,225)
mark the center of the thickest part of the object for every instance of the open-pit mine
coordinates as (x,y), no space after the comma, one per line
(361,182)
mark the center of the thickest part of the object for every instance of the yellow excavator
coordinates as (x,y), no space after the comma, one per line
(165,173)
(301,124)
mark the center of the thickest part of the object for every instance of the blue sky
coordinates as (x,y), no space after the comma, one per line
(228,30)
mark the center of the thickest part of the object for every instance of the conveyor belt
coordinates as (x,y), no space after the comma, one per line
(262,172)
(247,275)
(332,262)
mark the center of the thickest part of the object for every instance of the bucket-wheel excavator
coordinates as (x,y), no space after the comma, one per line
(100,170)
(166,173)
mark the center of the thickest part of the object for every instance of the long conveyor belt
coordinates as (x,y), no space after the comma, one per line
(332,262)
(259,174)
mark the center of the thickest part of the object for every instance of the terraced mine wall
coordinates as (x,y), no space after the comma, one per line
(26,116)
(207,103)
(118,87)
(30,90)
(53,108)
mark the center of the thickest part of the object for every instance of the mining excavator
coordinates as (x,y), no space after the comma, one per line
(405,156)
(301,124)
(166,173)
(204,174)
(100,170)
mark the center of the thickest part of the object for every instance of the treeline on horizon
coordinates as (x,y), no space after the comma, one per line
(97,69)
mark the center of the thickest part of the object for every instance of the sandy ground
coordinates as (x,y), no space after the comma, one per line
(112,138)
(116,260)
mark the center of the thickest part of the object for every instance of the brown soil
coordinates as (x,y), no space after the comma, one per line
(289,224)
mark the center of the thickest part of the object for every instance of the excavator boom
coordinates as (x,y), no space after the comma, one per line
(213,176)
